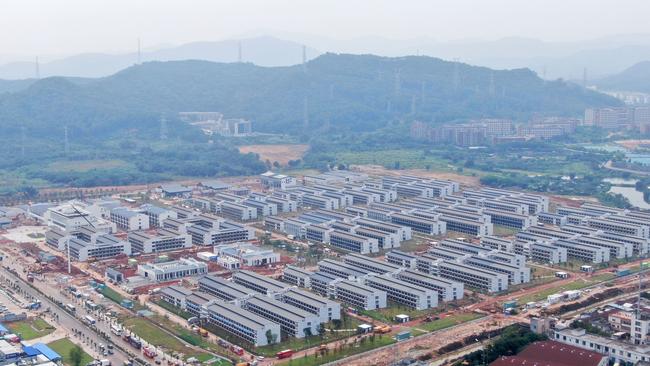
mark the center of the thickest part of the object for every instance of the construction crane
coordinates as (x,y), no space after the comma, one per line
(68,244)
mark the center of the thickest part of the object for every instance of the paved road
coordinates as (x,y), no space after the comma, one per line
(76,330)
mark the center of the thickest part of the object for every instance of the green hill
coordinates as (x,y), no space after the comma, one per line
(113,122)
(357,93)
(636,78)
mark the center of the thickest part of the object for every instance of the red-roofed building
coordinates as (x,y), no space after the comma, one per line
(551,353)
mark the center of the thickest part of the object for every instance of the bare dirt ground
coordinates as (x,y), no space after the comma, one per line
(465,180)
(632,144)
(280,153)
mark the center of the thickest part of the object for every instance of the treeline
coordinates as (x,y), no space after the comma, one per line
(512,340)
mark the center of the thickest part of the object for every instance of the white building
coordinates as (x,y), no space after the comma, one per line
(617,351)
(163,241)
(70,216)
(128,220)
(169,271)
(272,180)
(294,322)
(324,308)
(157,214)
(242,323)
(247,254)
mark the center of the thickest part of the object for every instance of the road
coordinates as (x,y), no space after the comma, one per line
(76,330)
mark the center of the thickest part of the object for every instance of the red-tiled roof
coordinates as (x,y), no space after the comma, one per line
(551,353)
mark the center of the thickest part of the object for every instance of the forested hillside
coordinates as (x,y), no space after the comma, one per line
(113,123)
(358,93)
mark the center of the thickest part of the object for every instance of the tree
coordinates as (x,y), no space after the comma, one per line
(276,164)
(307,332)
(321,330)
(337,323)
(271,337)
(75,355)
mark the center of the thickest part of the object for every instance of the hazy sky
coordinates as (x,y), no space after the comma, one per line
(59,27)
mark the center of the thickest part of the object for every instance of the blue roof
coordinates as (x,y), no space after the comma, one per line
(47,352)
(3,329)
(31,351)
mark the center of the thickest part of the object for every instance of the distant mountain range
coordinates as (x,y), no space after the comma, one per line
(601,57)
(633,79)
(262,51)
(345,92)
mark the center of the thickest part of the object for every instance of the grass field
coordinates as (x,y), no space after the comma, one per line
(85,165)
(31,328)
(195,339)
(387,315)
(281,153)
(345,351)
(173,309)
(575,285)
(403,159)
(156,336)
(63,347)
(349,323)
(449,321)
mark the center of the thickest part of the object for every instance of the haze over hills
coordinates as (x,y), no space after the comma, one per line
(354,93)
(602,57)
(635,79)
(262,51)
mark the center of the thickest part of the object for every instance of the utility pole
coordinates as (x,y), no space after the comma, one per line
(22,141)
(398,82)
(139,52)
(492,88)
(422,85)
(305,114)
(239,54)
(413,104)
(66,144)
(38,69)
(304,58)
(163,127)
(456,75)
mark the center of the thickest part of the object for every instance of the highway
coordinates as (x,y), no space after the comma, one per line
(75,328)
